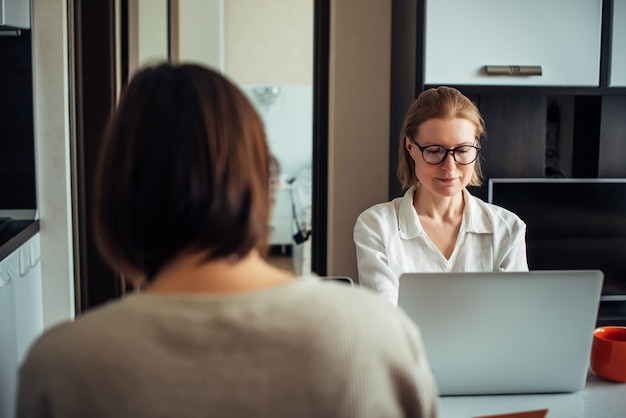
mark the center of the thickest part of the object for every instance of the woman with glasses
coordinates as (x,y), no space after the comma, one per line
(182,201)
(437,226)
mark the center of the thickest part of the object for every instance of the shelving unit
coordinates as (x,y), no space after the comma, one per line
(592,122)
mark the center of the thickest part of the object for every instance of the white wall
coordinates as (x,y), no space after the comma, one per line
(198,32)
(288,125)
(152,31)
(269,41)
(259,44)
(53,162)
(253,41)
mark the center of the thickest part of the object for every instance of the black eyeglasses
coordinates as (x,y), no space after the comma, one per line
(436,154)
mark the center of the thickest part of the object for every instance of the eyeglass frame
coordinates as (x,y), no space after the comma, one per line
(447,150)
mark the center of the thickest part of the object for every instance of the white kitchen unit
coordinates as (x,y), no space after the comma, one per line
(28,296)
(281,222)
(21,315)
(617,77)
(559,37)
(14,14)
(8,345)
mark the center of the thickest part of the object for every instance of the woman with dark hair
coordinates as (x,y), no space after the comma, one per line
(437,226)
(183,199)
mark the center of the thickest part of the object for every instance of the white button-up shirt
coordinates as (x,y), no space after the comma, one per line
(390,241)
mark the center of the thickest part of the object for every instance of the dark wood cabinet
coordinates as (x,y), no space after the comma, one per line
(612,137)
(515,141)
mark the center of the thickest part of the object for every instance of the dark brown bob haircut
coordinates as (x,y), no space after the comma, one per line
(441,103)
(184,167)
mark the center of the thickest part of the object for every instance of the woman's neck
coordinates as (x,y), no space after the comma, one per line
(438,208)
(189,273)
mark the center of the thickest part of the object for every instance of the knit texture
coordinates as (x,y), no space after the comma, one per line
(305,349)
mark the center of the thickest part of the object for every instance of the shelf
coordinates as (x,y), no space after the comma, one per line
(543,90)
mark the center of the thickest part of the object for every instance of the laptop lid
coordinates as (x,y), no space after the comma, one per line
(505,332)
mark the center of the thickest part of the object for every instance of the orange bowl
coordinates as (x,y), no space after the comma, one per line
(608,353)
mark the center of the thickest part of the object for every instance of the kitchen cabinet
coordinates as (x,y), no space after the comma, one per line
(8,349)
(281,222)
(21,315)
(561,36)
(618,45)
(14,14)
(28,296)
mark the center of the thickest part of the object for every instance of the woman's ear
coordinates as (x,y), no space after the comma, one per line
(408,144)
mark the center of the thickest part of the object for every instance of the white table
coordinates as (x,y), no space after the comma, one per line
(599,399)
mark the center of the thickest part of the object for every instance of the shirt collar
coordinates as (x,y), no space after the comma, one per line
(408,222)
(474,219)
(475,216)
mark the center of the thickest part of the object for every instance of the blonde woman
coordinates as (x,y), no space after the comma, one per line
(437,226)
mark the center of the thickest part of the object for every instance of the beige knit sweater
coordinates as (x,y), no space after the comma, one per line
(305,349)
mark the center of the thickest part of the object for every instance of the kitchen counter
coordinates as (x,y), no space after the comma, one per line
(16,234)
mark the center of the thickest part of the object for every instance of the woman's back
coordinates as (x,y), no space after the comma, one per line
(307,348)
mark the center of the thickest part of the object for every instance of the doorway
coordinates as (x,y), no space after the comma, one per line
(139,32)
(266,48)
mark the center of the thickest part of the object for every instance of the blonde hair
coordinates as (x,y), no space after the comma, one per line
(440,102)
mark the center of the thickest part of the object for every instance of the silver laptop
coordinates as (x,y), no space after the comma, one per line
(503,333)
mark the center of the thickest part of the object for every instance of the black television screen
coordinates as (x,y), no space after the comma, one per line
(571,224)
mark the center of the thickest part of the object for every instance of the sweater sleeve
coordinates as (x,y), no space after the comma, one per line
(386,370)
(427,393)
(417,389)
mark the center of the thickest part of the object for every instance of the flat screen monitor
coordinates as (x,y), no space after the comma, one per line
(571,224)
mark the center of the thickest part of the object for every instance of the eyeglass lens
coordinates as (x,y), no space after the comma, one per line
(435,154)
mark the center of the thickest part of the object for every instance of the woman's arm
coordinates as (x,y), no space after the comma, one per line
(372,259)
(516,259)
